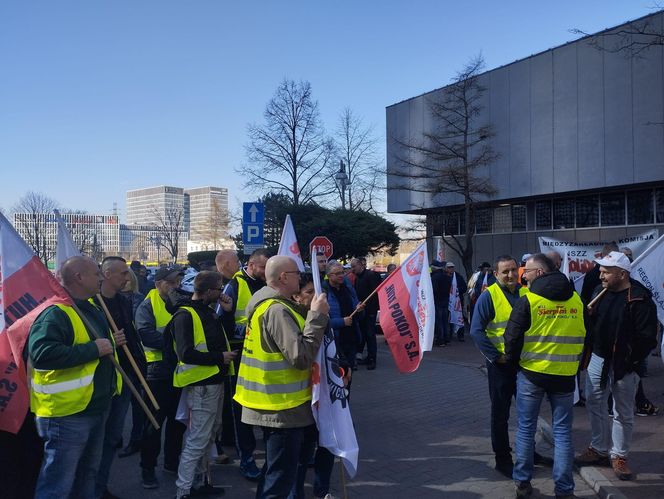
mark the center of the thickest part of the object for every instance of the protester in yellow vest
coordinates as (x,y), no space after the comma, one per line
(152,317)
(490,316)
(72,384)
(239,290)
(274,385)
(544,337)
(204,359)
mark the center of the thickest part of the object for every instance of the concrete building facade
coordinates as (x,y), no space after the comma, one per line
(579,135)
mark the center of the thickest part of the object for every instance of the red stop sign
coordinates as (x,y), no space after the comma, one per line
(322,245)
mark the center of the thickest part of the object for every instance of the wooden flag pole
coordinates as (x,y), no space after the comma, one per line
(596,299)
(343,478)
(117,366)
(125,349)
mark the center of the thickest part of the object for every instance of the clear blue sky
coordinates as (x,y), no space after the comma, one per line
(97,98)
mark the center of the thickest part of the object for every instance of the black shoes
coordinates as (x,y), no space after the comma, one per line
(149,479)
(523,490)
(131,449)
(505,468)
(371,365)
(206,490)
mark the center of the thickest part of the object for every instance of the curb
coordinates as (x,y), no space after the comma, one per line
(590,474)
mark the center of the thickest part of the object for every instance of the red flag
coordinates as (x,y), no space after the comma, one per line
(26,288)
(407,311)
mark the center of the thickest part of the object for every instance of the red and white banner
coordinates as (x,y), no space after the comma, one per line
(407,310)
(26,288)
(440,249)
(288,245)
(455,308)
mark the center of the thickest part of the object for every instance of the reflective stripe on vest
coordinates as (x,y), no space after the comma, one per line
(243,297)
(161,318)
(186,374)
(63,392)
(554,342)
(266,380)
(502,309)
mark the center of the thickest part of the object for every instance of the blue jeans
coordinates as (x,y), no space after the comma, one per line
(306,453)
(284,449)
(112,436)
(72,453)
(619,436)
(528,400)
(245,440)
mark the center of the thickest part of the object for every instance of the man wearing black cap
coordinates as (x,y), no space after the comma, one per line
(152,317)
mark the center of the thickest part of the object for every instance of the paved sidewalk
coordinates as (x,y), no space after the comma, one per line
(421,435)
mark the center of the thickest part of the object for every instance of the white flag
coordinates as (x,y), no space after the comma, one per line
(648,269)
(65,248)
(440,250)
(455,308)
(564,266)
(330,406)
(288,245)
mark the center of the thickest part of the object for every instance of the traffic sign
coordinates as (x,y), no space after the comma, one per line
(323,246)
(253,216)
(253,213)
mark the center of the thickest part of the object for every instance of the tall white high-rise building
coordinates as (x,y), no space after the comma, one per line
(208,213)
(154,205)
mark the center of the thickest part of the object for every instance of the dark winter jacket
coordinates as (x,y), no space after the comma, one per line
(635,334)
(365,283)
(553,286)
(441,283)
(336,316)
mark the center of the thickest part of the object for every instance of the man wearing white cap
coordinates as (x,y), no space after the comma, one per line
(622,330)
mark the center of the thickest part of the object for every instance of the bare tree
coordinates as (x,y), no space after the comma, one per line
(450,157)
(170,227)
(358,148)
(215,229)
(290,152)
(36,212)
(633,39)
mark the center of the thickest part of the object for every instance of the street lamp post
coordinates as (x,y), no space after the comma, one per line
(342,180)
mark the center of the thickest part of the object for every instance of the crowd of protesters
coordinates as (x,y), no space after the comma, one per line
(205,380)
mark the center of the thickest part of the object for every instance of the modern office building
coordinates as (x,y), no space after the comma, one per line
(146,243)
(95,235)
(208,214)
(579,137)
(153,205)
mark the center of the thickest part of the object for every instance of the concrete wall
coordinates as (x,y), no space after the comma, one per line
(568,119)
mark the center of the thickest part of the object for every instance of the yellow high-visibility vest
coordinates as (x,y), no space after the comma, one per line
(554,342)
(63,392)
(243,297)
(266,380)
(161,317)
(502,308)
(186,374)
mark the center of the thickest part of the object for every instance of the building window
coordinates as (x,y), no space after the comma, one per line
(502,219)
(587,211)
(659,205)
(483,220)
(613,209)
(518,217)
(563,214)
(451,223)
(543,215)
(639,207)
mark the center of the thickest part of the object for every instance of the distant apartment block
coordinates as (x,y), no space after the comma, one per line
(152,205)
(208,213)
